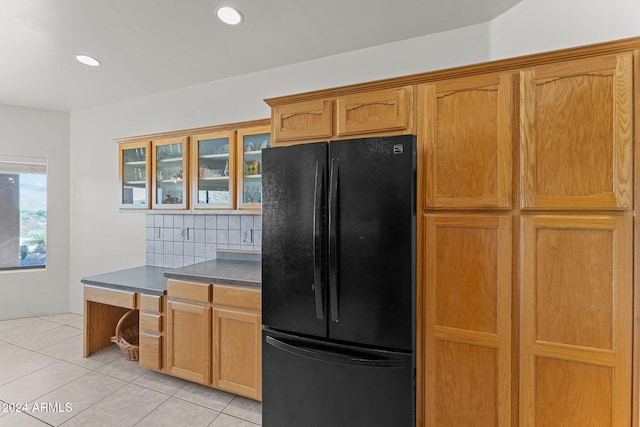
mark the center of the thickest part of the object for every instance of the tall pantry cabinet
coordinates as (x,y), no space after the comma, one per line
(576,121)
(526,296)
(466,133)
(528,227)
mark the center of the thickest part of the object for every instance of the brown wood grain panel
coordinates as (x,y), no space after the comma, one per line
(465,286)
(237,296)
(467,302)
(467,125)
(189,341)
(151,322)
(378,111)
(192,291)
(151,350)
(576,318)
(151,303)
(304,120)
(237,351)
(110,297)
(467,384)
(573,394)
(576,134)
(574,287)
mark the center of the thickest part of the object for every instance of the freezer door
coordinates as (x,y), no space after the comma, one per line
(372,241)
(293,238)
(309,383)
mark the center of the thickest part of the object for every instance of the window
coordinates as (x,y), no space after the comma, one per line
(23,212)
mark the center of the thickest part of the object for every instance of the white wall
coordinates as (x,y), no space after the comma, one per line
(103,240)
(41,133)
(542,25)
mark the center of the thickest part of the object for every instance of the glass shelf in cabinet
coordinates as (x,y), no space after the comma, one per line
(214,156)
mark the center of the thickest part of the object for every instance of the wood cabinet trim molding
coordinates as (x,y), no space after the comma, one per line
(188,132)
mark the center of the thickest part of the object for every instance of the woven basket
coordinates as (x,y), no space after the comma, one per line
(127,335)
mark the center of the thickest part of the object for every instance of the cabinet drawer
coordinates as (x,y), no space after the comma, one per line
(150,303)
(236,296)
(192,291)
(110,297)
(151,322)
(151,350)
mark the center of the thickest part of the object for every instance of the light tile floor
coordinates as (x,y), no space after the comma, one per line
(43,373)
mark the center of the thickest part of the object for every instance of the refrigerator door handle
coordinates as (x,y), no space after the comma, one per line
(333,239)
(342,358)
(317,243)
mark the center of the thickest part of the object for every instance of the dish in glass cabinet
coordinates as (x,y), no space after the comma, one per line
(252,167)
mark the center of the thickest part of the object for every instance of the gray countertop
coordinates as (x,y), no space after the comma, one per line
(152,280)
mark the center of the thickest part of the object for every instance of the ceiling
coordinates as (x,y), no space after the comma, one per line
(150,46)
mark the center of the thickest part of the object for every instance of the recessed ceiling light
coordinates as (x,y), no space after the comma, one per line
(229,15)
(87,60)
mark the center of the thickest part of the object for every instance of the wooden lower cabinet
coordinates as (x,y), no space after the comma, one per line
(467,278)
(237,352)
(576,323)
(189,341)
(214,337)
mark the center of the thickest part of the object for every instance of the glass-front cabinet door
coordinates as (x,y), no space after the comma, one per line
(251,141)
(134,161)
(213,172)
(169,172)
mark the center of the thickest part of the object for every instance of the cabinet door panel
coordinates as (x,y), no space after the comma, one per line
(189,341)
(378,111)
(170,172)
(237,351)
(213,175)
(468,319)
(467,129)
(576,320)
(134,160)
(576,134)
(303,121)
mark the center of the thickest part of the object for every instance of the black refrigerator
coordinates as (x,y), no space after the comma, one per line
(338,283)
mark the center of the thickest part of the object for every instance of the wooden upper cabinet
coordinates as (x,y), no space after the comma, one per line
(170,172)
(303,121)
(213,177)
(134,162)
(577,134)
(466,126)
(374,112)
(576,322)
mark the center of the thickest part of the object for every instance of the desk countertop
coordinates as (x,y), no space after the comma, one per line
(152,280)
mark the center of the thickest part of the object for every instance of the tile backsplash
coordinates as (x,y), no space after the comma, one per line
(176,240)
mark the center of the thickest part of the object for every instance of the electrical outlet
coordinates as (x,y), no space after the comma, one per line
(247,235)
(158,233)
